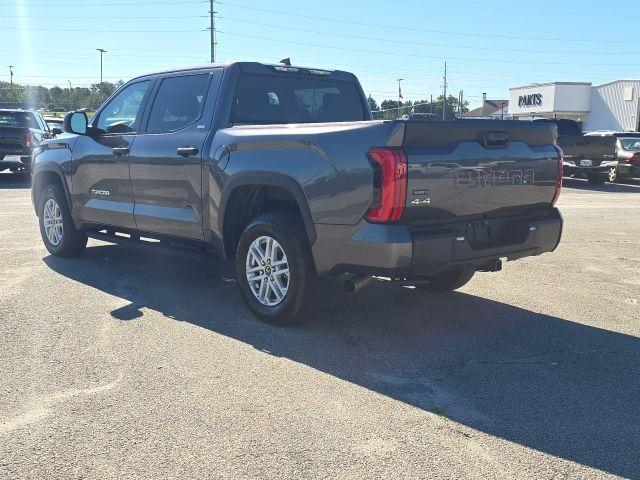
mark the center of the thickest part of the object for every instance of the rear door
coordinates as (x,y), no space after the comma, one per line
(166,159)
(101,184)
(473,168)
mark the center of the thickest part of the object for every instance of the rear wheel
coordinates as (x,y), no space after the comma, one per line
(612,174)
(274,269)
(59,233)
(448,281)
(597,178)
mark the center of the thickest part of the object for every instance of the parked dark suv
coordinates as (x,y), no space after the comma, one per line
(281,169)
(20,131)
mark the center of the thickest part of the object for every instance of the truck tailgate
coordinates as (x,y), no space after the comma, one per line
(11,139)
(472,168)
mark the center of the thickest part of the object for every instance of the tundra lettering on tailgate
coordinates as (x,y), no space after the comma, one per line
(493,178)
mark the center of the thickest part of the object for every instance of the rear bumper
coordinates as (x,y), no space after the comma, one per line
(397,250)
(572,168)
(17,161)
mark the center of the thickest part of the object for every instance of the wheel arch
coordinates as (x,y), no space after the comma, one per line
(249,181)
(43,175)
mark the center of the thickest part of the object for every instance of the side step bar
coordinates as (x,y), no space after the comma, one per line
(189,248)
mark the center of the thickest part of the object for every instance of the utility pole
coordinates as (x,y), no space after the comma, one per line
(431,104)
(444,96)
(399,97)
(11,74)
(212,29)
(101,50)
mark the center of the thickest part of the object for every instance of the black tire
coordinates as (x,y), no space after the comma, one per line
(298,300)
(597,179)
(73,241)
(612,175)
(448,281)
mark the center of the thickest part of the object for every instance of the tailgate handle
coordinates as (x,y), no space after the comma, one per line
(496,139)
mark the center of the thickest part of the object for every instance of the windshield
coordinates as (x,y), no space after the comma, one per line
(18,119)
(262,99)
(632,144)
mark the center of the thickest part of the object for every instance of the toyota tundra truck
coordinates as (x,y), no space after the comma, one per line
(281,170)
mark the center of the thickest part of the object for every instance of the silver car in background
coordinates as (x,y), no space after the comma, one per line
(628,155)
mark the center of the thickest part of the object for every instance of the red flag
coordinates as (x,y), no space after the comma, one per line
(400,93)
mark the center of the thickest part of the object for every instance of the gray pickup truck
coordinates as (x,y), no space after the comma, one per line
(282,170)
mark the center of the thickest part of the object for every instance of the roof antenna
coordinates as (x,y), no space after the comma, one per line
(285,61)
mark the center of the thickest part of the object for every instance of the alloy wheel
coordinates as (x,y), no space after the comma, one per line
(267,271)
(52,220)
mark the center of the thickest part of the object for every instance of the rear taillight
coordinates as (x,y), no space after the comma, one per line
(556,195)
(635,158)
(28,139)
(389,184)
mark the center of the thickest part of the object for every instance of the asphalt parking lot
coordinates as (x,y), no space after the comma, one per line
(133,364)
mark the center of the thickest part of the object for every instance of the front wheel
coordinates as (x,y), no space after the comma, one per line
(612,174)
(274,269)
(59,233)
(448,281)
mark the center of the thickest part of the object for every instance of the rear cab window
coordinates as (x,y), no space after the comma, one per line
(274,99)
(18,120)
(630,144)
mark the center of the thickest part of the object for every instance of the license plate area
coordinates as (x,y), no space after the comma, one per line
(489,233)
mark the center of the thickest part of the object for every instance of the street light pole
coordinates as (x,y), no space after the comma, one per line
(101,50)
(11,74)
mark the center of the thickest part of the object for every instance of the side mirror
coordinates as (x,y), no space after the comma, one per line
(76,122)
(56,131)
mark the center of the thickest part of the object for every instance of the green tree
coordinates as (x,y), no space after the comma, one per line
(56,98)
(373,105)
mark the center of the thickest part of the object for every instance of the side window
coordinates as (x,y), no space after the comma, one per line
(120,114)
(43,124)
(178,103)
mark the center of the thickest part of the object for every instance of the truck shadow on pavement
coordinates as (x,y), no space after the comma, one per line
(547,383)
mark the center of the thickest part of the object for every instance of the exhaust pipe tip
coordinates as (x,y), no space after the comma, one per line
(349,286)
(352,284)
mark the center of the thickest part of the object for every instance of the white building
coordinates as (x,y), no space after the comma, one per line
(611,106)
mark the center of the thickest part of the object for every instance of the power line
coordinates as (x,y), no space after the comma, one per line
(118,4)
(97,31)
(415,55)
(416,29)
(101,17)
(410,42)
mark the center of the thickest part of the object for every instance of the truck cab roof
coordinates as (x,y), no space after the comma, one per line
(262,68)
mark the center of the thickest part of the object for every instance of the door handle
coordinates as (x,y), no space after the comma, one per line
(119,151)
(187,151)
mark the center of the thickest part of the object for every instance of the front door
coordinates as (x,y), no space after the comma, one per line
(101,185)
(166,158)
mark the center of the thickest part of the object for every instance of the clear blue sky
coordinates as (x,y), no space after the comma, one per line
(489,46)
